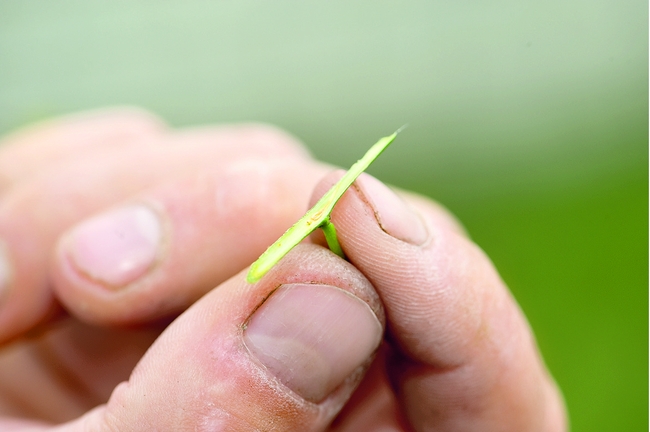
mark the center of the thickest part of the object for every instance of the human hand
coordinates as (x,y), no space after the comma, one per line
(193,209)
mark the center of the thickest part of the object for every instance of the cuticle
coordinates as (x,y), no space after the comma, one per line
(244,325)
(267,296)
(246,322)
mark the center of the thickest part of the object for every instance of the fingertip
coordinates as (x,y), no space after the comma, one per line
(105,269)
(302,334)
(117,247)
(435,211)
(394,215)
(25,298)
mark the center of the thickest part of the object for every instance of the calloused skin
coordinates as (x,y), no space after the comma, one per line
(455,351)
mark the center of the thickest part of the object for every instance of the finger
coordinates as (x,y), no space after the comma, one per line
(33,149)
(34,213)
(466,358)
(161,251)
(69,370)
(280,355)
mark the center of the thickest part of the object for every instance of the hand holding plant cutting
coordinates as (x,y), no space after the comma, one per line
(102,251)
(317,217)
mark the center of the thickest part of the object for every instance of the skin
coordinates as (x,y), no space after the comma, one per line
(167,350)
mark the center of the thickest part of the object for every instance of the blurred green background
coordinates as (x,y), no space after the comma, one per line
(529,120)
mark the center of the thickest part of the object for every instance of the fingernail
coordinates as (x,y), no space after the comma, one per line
(393,214)
(312,337)
(117,247)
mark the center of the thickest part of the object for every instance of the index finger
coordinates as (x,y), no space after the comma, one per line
(465,355)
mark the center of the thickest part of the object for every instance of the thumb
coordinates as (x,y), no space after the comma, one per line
(282,354)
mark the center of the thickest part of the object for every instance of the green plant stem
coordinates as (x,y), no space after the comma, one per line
(330,236)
